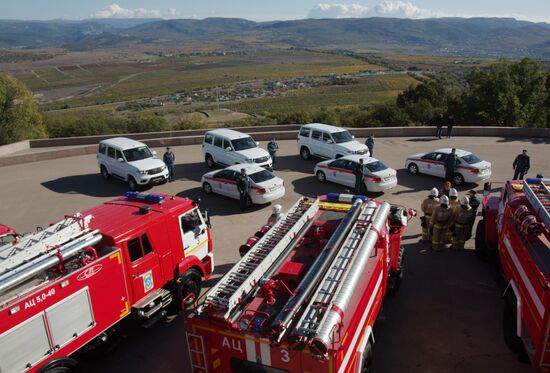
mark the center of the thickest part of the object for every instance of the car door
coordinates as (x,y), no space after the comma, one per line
(438,167)
(315,142)
(327,148)
(349,176)
(225,183)
(217,150)
(229,153)
(194,234)
(144,266)
(337,171)
(426,165)
(113,156)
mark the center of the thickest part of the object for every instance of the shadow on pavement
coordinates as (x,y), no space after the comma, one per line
(538,140)
(90,185)
(191,171)
(421,181)
(296,163)
(424,139)
(217,205)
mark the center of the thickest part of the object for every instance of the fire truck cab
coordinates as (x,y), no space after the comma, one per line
(305,296)
(7,234)
(517,224)
(68,285)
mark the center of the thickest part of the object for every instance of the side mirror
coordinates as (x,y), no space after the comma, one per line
(257,143)
(154,152)
(206,217)
(353,136)
(228,148)
(329,141)
(120,160)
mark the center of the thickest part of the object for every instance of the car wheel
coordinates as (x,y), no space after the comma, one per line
(321,177)
(105,173)
(304,152)
(210,161)
(207,188)
(132,184)
(413,168)
(458,179)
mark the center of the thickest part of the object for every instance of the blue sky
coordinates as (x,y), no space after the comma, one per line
(261,10)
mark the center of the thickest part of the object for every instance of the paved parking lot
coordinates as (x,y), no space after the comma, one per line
(446,317)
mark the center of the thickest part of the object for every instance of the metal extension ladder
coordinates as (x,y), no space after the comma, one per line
(538,195)
(42,242)
(244,276)
(322,298)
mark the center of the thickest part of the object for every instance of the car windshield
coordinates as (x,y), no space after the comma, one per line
(340,137)
(243,144)
(471,159)
(137,154)
(376,166)
(261,176)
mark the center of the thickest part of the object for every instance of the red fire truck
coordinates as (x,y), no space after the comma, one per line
(7,234)
(305,296)
(517,224)
(68,285)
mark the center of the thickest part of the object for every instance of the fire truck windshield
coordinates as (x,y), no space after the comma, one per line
(137,154)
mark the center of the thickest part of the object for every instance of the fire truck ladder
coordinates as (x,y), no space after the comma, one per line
(250,269)
(42,242)
(322,299)
(539,196)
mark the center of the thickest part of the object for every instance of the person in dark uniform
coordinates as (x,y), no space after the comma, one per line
(169,159)
(450,165)
(521,165)
(370,144)
(359,173)
(450,125)
(272,148)
(439,123)
(243,186)
(474,204)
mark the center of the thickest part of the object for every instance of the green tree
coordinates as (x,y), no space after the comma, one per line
(20,118)
(423,101)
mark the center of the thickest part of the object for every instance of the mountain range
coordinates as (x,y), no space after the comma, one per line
(481,37)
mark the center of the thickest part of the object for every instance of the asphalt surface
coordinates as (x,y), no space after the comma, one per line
(445,318)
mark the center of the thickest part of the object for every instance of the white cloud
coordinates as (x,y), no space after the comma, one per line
(339,11)
(387,8)
(116,11)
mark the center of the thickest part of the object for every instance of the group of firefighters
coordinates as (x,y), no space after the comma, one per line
(448,219)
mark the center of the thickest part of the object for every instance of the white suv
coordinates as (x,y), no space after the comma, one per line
(325,141)
(131,161)
(228,147)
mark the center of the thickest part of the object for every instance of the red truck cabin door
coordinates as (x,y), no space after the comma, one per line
(194,234)
(144,268)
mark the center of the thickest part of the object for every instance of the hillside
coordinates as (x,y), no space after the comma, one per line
(482,37)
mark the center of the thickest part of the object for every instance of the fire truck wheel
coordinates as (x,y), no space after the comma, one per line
(509,326)
(105,173)
(103,344)
(397,277)
(369,358)
(132,183)
(60,365)
(413,168)
(480,245)
(190,283)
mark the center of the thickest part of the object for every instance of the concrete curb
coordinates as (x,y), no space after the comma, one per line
(88,145)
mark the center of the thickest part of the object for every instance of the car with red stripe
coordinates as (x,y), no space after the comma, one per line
(377,176)
(265,186)
(470,168)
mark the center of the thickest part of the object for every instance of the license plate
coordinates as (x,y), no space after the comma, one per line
(158,179)
(276,187)
(389,178)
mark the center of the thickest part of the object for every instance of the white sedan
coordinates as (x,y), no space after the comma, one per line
(264,187)
(377,176)
(470,168)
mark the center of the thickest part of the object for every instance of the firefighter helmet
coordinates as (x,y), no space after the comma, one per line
(444,200)
(277,209)
(453,193)
(434,192)
(465,201)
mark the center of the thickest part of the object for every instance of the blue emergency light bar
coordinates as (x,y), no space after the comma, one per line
(347,198)
(143,197)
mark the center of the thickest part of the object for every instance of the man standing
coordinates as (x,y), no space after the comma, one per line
(359,173)
(370,144)
(169,159)
(272,148)
(441,221)
(428,207)
(474,204)
(439,122)
(521,165)
(450,125)
(243,186)
(461,224)
(450,165)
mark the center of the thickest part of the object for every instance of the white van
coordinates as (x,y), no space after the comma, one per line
(131,161)
(228,147)
(325,141)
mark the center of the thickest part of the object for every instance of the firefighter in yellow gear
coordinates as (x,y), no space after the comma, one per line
(441,221)
(428,207)
(462,224)
(454,203)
